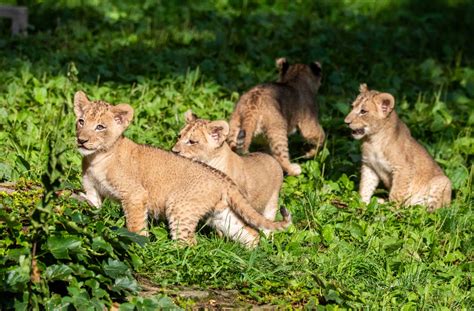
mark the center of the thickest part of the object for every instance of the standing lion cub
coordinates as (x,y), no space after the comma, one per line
(258,175)
(391,155)
(278,109)
(148,180)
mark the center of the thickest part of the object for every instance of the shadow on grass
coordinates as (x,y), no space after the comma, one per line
(123,42)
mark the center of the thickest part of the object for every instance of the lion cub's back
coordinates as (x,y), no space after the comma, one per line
(175,170)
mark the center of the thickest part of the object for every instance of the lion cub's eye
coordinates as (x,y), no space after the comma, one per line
(363,111)
(191,142)
(81,122)
(100,127)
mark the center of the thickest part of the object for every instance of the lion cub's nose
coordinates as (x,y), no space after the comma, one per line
(82,141)
(347,120)
(175,149)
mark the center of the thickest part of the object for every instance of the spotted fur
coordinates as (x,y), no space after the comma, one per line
(148,180)
(258,175)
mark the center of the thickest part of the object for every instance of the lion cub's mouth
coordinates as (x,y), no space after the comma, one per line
(358,132)
(84,150)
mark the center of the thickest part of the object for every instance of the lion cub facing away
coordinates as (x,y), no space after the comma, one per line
(391,155)
(278,109)
(258,175)
(150,180)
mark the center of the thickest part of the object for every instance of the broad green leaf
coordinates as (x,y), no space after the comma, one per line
(125,283)
(40,94)
(61,246)
(139,239)
(115,268)
(328,233)
(19,276)
(99,244)
(57,272)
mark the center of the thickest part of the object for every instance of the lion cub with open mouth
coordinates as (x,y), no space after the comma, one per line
(391,155)
(258,175)
(278,109)
(148,180)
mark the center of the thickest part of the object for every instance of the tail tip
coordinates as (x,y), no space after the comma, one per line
(241,134)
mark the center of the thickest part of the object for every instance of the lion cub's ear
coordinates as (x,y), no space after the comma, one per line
(385,103)
(189,116)
(316,68)
(80,100)
(363,88)
(218,131)
(123,114)
(282,65)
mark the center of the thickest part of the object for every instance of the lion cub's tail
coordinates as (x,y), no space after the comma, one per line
(241,207)
(243,123)
(234,131)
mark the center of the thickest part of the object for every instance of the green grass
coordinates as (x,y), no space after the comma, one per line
(164,58)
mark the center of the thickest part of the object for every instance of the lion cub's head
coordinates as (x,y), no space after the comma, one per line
(301,74)
(99,124)
(370,111)
(201,139)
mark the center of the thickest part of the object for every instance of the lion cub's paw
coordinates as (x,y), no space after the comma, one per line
(310,154)
(91,201)
(294,169)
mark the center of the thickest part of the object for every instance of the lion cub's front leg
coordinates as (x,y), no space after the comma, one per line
(91,194)
(368,182)
(136,212)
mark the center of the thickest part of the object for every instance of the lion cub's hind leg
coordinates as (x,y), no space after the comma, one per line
(183,218)
(278,139)
(233,227)
(434,194)
(246,133)
(313,133)
(439,192)
(270,210)
(234,131)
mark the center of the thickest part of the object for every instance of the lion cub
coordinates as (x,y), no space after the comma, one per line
(391,155)
(278,109)
(149,180)
(258,175)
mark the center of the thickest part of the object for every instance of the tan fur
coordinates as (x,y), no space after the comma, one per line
(149,180)
(279,109)
(258,175)
(391,155)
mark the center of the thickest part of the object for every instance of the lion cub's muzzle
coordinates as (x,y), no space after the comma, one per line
(358,132)
(81,142)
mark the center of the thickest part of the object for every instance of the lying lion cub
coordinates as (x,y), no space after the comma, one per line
(392,155)
(258,175)
(150,180)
